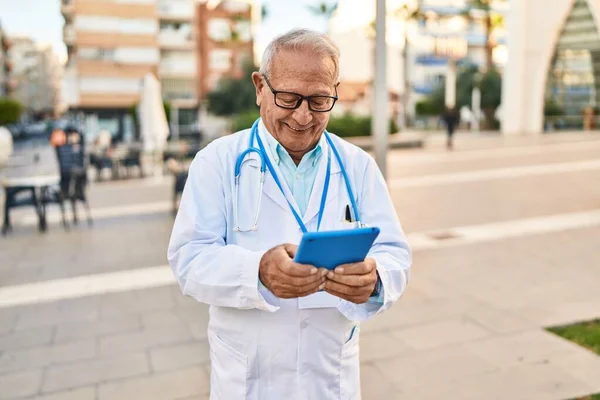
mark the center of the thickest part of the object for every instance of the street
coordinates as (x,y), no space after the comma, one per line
(505,234)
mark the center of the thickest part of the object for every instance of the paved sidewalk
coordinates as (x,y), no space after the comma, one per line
(470,327)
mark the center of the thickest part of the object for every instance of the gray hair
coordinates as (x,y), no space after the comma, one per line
(297,40)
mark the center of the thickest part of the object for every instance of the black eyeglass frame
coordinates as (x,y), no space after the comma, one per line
(300,98)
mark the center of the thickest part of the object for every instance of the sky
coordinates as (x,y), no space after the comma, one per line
(42,20)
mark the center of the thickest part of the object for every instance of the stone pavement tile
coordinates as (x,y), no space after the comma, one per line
(85,393)
(498,320)
(400,317)
(38,315)
(432,367)
(20,384)
(382,345)
(165,386)
(85,330)
(95,371)
(442,333)
(137,301)
(151,337)
(47,355)
(565,313)
(174,357)
(26,338)
(373,382)
(582,364)
(524,347)
(8,319)
(536,381)
(160,317)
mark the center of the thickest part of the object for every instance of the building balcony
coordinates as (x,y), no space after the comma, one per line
(177,67)
(176,10)
(175,40)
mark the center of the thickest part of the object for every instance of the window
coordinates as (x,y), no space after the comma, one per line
(220,60)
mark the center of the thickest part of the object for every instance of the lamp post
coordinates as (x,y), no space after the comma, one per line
(380,106)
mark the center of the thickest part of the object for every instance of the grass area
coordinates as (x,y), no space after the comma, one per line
(586,334)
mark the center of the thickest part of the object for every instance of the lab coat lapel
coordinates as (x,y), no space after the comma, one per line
(314,202)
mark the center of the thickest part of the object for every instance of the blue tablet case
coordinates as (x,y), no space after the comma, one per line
(332,248)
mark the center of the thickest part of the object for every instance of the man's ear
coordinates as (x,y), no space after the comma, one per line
(258,85)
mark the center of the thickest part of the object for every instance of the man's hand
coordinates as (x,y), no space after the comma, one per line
(287,279)
(353,282)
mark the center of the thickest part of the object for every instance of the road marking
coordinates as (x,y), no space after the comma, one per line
(496,173)
(145,278)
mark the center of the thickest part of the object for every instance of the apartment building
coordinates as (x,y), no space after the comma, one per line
(5,65)
(225,40)
(36,76)
(111,45)
(178,62)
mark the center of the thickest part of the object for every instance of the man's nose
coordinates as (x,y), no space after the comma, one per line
(302,115)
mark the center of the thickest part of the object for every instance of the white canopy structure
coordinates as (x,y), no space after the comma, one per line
(154,128)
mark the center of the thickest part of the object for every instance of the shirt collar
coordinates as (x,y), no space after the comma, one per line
(278,151)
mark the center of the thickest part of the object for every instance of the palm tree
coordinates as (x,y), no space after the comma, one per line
(491,20)
(323,9)
(407,14)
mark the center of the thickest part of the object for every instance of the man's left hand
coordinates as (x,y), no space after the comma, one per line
(353,282)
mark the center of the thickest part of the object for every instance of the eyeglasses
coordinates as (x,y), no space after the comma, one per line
(291,101)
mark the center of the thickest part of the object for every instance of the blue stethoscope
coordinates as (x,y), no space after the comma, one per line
(266,163)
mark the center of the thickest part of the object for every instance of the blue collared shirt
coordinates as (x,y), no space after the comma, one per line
(299,178)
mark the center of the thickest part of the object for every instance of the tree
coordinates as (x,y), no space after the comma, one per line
(491,91)
(324,10)
(233,96)
(491,20)
(10,111)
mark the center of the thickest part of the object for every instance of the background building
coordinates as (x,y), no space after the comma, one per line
(36,76)
(563,42)
(5,65)
(426,71)
(225,41)
(178,62)
(111,46)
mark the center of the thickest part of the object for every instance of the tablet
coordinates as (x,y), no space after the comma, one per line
(329,249)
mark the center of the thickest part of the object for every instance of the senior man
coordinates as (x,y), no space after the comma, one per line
(277,329)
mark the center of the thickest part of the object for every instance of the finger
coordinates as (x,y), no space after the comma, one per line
(347,290)
(300,270)
(353,280)
(353,299)
(288,291)
(361,268)
(290,249)
(297,281)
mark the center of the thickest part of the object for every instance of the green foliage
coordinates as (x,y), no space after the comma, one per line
(490,85)
(244,120)
(347,125)
(429,107)
(491,89)
(10,111)
(586,334)
(233,96)
(552,109)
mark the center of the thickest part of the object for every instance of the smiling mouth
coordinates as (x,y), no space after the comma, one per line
(297,130)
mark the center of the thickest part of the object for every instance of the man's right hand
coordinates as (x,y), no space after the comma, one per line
(287,279)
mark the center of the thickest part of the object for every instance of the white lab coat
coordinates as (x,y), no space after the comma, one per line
(263,347)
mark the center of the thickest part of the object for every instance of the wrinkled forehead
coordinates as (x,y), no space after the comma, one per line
(303,66)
